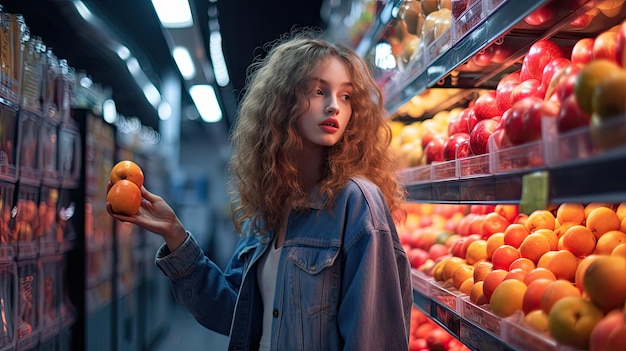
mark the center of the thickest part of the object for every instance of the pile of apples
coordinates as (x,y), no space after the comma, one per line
(426,335)
(579,86)
(562,268)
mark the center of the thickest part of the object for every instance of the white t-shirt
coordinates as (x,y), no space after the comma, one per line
(266,277)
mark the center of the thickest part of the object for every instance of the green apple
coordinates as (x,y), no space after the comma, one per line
(571,321)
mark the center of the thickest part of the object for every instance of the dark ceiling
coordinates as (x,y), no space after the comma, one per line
(245,26)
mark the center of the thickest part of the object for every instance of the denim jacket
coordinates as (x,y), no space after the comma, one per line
(343,280)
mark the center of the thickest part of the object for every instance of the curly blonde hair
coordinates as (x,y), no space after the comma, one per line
(263,173)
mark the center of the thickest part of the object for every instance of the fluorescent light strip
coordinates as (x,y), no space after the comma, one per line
(173,13)
(184,62)
(217,57)
(204,98)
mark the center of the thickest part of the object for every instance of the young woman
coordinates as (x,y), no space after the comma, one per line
(318,265)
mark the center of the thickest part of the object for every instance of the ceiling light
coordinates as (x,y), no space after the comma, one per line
(184,62)
(109,112)
(83,10)
(204,98)
(165,110)
(173,13)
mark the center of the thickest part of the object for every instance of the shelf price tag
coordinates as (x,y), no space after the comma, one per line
(535,191)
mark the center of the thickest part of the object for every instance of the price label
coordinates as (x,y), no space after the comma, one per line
(535,191)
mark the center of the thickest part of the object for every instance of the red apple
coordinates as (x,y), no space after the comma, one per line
(503,95)
(494,223)
(562,83)
(417,257)
(508,211)
(502,52)
(513,122)
(582,52)
(609,333)
(434,149)
(540,15)
(512,77)
(480,135)
(570,116)
(451,145)
(471,119)
(531,119)
(551,69)
(485,106)
(427,135)
(530,87)
(463,150)
(483,57)
(539,54)
(620,45)
(605,47)
(437,250)
(582,21)
(458,124)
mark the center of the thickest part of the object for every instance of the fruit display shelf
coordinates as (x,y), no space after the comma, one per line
(568,167)
(474,325)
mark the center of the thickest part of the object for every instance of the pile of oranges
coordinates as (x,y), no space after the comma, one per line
(125,194)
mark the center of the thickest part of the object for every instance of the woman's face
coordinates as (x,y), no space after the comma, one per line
(328,93)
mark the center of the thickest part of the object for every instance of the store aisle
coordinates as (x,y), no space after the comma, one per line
(185,333)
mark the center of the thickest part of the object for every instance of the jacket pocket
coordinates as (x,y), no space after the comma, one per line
(313,276)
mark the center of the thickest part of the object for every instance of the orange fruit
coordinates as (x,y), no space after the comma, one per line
(579,240)
(553,239)
(514,234)
(540,219)
(127,170)
(493,242)
(523,263)
(571,212)
(609,241)
(503,256)
(532,297)
(562,263)
(621,211)
(593,205)
(619,250)
(507,297)
(492,280)
(555,291)
(534,246)
(462,273)
(580,271)
(602,220)
(466,286)
(476,294)
(481,270)
(538,273)
(476,251)
(124,197)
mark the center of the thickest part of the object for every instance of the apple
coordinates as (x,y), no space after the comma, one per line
(451,145)
(531,119)
(502,52)
(565,87)
(417,256)
(471,119)
(480,135)
(572,320)
(582,21)
(570,116)
(605,46)
(530,87)
(588,78)
(582,52)
(434,149)
(503,96)
(459,123)
(609,334)
(512,77)
(464,150)
(604,282)
(551,69)
(538,56)
(513,123)
(483,57)
(485,106)
(608,99)
(494,223)
(540,16)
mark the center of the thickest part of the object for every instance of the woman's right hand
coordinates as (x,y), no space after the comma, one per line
(156,216)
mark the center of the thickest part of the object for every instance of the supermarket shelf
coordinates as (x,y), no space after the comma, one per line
(475,326)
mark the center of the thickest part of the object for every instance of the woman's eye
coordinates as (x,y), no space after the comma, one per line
(319,92)
(346,97)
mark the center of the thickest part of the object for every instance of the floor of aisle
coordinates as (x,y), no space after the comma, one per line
(185,333)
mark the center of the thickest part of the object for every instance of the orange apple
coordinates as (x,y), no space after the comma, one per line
(507,297)
(537,320)
(124,197)
(532,296)
(604,282)
(127,170)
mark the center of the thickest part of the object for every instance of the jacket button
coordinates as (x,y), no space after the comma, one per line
(275,313)
(312,267)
